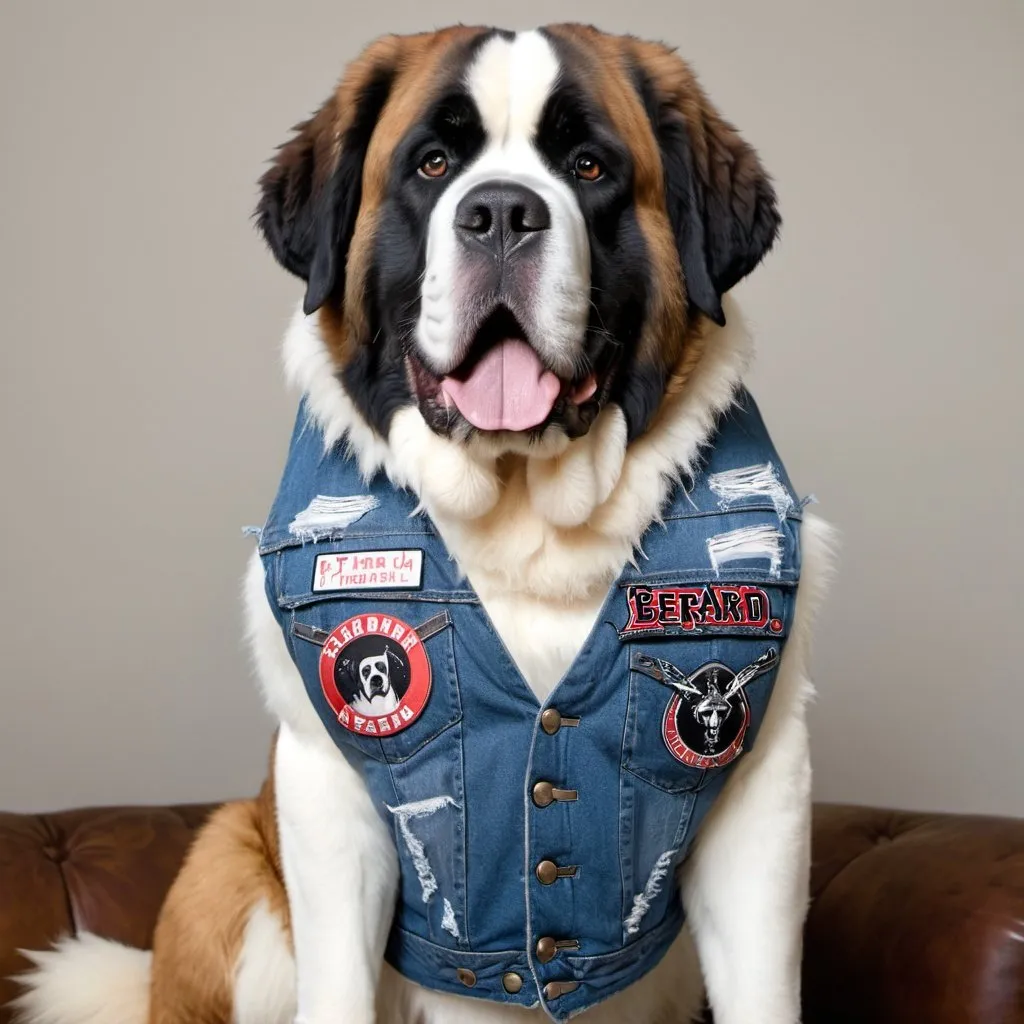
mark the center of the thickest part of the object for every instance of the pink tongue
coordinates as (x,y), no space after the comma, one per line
(509,389)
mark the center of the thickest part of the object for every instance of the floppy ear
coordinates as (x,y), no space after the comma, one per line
(397,672)
(347,671)
(310,196)
(720,202)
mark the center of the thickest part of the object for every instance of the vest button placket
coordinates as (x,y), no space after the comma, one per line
(550,842)
(552,720)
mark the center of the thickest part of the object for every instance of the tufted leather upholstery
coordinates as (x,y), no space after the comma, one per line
(105,871)
(916,917)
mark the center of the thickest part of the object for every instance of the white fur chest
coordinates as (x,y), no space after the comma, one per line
(542,636)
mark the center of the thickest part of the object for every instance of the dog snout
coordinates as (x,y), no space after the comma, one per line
(499,216)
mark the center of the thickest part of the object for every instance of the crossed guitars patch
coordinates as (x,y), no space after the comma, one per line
(708,713)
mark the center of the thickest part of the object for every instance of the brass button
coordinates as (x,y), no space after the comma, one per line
(554,989)
(547,947)
(546,872)
(551,721)
(512,982)
(543,794)
(466,976)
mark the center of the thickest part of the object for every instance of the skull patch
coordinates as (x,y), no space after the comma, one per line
(708,715)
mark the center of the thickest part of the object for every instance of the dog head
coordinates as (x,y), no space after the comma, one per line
(373,675)
(512,231)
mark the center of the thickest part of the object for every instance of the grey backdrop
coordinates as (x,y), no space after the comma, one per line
(144,420)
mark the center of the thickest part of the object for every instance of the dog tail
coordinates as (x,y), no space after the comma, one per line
(85,980)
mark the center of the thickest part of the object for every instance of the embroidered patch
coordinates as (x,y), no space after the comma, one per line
(399,569)
(375,674)
(708,714)
(696,611)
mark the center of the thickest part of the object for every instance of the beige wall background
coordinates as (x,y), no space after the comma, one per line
(144,420)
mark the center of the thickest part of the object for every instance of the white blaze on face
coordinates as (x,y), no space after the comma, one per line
(510,82)
(373,674)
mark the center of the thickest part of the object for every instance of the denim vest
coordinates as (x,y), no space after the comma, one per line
(538,843)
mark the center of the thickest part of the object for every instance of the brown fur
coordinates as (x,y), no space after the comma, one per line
(603,60)
(723,161)
(233,864)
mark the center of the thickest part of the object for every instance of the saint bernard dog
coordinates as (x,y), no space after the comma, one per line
(516,249)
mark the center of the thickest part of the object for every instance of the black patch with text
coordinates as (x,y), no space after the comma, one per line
(713,608)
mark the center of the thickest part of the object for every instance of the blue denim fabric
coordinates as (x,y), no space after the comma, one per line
(479,741)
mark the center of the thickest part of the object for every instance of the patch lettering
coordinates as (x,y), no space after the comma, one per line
(697,611)
(400,569)
(708,714)
(375,674)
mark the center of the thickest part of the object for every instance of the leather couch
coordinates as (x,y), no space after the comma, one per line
(916,918)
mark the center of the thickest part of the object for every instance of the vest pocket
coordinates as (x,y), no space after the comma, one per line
(384,680)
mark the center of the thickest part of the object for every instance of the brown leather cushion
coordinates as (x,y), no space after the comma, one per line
(105,871)
(916,917)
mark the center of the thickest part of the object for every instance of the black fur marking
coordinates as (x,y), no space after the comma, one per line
(723,228)
(309,229)
(642,392)
(376,377)
(572,123)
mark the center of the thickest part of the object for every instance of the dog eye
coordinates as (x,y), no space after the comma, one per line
(435,165)
(587,168)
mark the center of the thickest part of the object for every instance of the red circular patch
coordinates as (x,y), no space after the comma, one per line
(375,674)
(775,625)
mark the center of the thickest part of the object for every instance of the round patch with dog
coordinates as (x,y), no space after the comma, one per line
(375,674)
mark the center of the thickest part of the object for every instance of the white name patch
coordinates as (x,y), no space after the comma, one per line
(369,570)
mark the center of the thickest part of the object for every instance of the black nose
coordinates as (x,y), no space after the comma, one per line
(500,215)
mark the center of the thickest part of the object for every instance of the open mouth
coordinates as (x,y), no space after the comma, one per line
(502,384)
